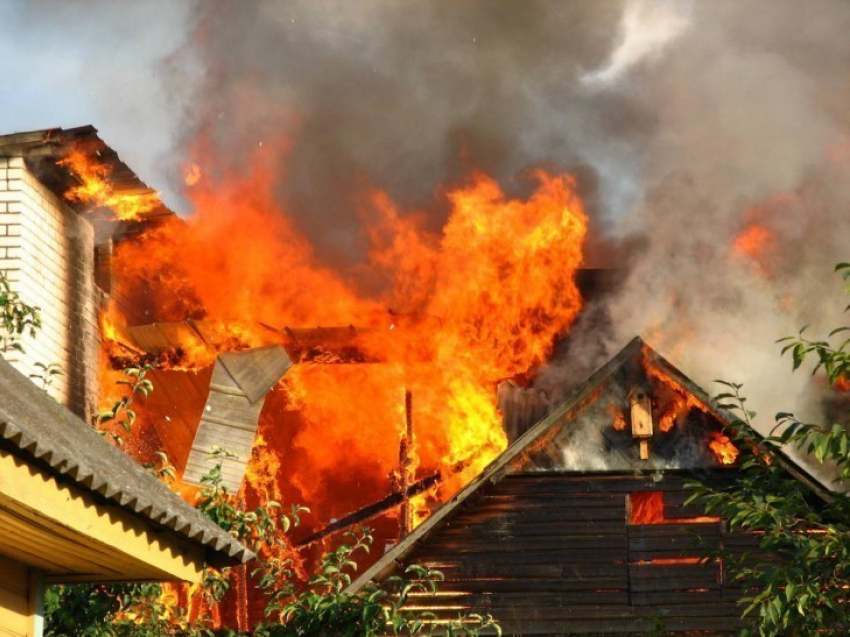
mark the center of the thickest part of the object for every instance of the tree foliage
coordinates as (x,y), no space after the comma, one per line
(804,589)
(121,416)
(17,318)
(326,608)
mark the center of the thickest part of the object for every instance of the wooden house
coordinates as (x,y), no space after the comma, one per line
(580,527)
(76,509)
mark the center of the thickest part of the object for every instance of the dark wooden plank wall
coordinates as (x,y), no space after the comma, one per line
(555,555)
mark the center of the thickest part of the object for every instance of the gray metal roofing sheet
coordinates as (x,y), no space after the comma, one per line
(38,429)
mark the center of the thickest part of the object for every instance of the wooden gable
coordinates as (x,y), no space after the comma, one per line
(643,416)
(570,531)
(554,554)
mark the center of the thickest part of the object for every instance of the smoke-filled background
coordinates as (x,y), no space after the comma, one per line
(710,140)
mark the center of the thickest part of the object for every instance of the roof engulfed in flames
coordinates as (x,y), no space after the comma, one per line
(483,300)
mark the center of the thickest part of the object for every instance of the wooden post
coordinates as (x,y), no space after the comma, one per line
(405,464)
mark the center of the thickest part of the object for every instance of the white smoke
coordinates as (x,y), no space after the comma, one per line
(647,27)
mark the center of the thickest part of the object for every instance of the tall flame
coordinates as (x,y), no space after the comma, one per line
(480,302)
(457,311)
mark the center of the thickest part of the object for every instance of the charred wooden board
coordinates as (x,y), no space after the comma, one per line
(555,555)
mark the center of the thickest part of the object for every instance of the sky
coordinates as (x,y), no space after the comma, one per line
(66,64)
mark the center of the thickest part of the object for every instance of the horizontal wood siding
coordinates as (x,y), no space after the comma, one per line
(14,599)
(555,555)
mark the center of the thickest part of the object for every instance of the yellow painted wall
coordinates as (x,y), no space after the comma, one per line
(15,609)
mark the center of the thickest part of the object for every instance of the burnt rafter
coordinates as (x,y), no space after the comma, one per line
(327,344)
(372,510)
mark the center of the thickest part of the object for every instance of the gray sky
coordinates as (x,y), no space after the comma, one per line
(96,62)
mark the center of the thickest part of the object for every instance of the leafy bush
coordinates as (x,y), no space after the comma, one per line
(326,609)
(804,590)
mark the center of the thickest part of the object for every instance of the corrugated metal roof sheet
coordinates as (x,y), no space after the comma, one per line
(41,431)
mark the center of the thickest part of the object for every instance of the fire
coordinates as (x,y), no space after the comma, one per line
(647,507)
(192,174)
(753,241)
(452,313)
(723,448)
(96,191)
(618,418)
(761,240)
(480,302)
(676,401)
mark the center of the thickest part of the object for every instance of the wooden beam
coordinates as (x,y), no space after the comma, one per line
(372,510)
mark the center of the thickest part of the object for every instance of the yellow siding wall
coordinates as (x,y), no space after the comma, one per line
(14,599)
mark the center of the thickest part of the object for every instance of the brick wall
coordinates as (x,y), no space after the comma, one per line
(47,252)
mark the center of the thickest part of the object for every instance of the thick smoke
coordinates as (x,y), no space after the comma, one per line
(688,125)
(751,130)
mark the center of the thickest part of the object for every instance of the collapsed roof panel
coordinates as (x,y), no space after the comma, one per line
(231,417)
(158,337)
(258,373)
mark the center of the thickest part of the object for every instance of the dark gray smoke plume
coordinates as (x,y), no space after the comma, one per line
(687,123)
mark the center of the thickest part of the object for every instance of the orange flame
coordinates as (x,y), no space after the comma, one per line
(480,302)
(753,241)
(192,174)
(456,311)
(618,419)
(96,191)
(676,401)
(723,448)
(647,507)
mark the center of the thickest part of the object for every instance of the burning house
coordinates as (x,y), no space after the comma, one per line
(558,511)
(56,257)
(581,525)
